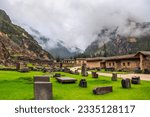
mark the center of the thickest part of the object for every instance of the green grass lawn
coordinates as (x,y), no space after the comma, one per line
(19,86)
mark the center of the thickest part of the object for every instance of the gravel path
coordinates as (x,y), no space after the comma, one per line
(142,76)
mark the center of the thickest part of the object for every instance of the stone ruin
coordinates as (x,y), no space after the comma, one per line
(94,75)
(57,75)
(66,80)
(126,83)
(84,70)
(42,88)
(24,70)
(17,66)
(135,80)
(114,77)
(76,72)
(61,65)
(102,90)
(83,83)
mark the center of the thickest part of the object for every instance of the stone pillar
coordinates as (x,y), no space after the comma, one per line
(141,62)
(84,70)
(94,75)
(43,91)
(126,83)
(83,83)
(42,88)
(61,65)
(114,77)
(17,66)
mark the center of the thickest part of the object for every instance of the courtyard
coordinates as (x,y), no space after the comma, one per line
(19,86)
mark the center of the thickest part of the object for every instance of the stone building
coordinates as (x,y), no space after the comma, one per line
(139,60)
(124,62)
(144,59)
(95,62)
(80,61)
(68,63)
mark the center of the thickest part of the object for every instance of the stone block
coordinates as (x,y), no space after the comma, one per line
(66,80)
(135,80)
(84,70)
(114,77)
(83,83)
(41,79)
(57,75)
(43,91)
(17,66)
(94,75)
(102,90)
(126,83)
(24,70)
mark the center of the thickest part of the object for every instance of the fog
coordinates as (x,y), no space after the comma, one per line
(76,22)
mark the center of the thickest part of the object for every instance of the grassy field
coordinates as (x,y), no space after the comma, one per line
(19,86)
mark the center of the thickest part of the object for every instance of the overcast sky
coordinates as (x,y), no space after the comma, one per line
(76,22)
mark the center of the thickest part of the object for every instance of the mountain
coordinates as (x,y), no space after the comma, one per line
(56,47)
(113,41)
(15,41)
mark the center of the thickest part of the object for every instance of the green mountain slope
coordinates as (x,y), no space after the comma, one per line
(15,41)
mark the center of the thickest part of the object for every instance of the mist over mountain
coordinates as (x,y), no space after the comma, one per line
(76,22)
(54,46)
(115,41)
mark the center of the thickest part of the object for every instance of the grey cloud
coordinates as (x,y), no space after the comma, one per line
(76,22)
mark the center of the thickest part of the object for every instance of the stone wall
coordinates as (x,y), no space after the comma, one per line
(93,64)
(123,64)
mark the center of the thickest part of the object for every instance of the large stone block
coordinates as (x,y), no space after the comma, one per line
(43,91)
(41,78)
(114,77)
(57,75)
(66,80)
(84,70)
(94,75)
(17,66)
(83,83)
(126,83)
(135,80)
(102,90)
(61,65)
(24,70)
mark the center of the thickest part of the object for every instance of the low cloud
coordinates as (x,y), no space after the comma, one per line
(75,22)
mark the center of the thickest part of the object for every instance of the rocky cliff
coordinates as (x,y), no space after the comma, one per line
(15,41)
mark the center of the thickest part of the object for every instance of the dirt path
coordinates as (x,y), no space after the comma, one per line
(142,76)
